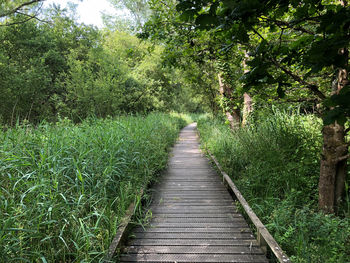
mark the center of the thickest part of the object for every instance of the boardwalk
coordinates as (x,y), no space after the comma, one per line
(194,218)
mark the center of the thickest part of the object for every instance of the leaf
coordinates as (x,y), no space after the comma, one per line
(206,21)
(228,4)
(188,15)
(280,91)
(333,115)
(184,5)
(261,47)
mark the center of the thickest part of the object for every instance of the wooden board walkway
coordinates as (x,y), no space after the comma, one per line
(194,218)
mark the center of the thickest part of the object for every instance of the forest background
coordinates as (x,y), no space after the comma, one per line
(274,74)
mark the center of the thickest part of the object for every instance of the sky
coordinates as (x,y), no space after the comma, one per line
(89,11)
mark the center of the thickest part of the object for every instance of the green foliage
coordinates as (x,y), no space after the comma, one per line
(22,10)
(275,164)
(72,70)
(33,61)
(293,46)
(64,188)
(138,8)
(339,106)
(193,52)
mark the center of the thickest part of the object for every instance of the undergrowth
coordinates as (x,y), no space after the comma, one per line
(275,164)
(65,187)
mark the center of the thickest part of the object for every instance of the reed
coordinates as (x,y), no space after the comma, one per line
(65,187)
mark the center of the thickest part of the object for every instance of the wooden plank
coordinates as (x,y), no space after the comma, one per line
(194,201)
(121,232)
(194,250)
(193,218)
(192,188)
(203,215)
(192,258)
(185,235)
(190,196)
(195,242)
(227,219)
(197,202)
(195,229)
(193,185)
(192,173)
(190,211)
(241,224)
(264,236)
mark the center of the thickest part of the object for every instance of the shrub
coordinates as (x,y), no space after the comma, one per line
(65,187)
(275,164)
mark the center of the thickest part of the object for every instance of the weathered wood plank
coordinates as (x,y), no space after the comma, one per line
(193,258)
(186,235)
(235,220)
(196,229)
(194,218)
(264,236)
(194,250)
(196,215)
(195,242)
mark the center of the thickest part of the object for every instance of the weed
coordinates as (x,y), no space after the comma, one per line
(64,188)
(275,164)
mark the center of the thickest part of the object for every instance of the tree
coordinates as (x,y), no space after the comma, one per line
(34,59)
(185,46)
(138,8)
(293,47)
(24,10)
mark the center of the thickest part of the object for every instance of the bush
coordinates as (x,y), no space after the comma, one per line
(275,164)
(65,187)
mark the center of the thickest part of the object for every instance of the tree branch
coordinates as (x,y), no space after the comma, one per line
(32,17)
(16,23)
(297,78)
(256,32)
(29,17)
(19,7)
(289,25)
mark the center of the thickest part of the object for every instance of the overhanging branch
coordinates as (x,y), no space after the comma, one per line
(14,10)
(312,87)
(289,25)
(28,16)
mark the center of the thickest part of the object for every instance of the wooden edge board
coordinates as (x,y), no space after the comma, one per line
(121,232)
(264,237)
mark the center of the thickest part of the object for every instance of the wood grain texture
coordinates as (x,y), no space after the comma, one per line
(194,218)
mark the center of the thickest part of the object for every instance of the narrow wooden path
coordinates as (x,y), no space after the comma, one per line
(194,218)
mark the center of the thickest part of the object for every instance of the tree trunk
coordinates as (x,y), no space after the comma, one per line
(248,102)
(247,108)
(333,168)
(232,115)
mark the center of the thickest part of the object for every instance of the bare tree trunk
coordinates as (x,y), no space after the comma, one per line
(248,102)
(333,168)
(233,115)
(247,108)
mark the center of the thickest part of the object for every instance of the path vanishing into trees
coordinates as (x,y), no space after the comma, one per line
(194,217)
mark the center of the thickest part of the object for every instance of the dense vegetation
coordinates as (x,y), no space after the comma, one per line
(70,164)
(63,68)
(275,163)
(65,187)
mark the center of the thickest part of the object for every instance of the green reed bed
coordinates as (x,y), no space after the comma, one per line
(275,164)
(65,187)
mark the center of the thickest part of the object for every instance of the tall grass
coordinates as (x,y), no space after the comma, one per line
(65,187)
(275,163)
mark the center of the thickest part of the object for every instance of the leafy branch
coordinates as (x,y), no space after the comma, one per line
(19,7)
